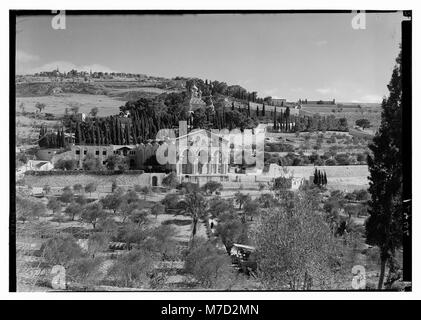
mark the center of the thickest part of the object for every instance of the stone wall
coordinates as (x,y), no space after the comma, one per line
(103,182)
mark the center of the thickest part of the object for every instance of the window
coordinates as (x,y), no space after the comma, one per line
(84,151)
(104,153)
(78,151)
(97,152)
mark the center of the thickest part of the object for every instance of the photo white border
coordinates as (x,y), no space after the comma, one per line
(196,5)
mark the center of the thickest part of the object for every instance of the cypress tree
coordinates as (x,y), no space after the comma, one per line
(63,138)
(77,133)
(320,179)
(281,120)
(385,224)
(274,120)
(325,178)
(117,129)
(316,177)
(257,112)
(263,110)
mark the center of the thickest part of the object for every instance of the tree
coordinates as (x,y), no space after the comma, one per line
(54,205)
(384,226)
(93,213)
(22,107)
(281,184)
(61,250)
(158,209)
(65,164)
(132,268)
(94,111)
(75,109)
(251,208)
(161,242)
(91,163)
(219,206)
(316,177)
(139,216)
(67,195)
(117,162)
(90,187)
(46,189)
(28,209)
(97,242)
(194,205)
(210,268)
(230,230)
(294,247)
(170,201)
(241,198)
(77,188)
(40,106)
(363,123)
(267,200)
(211,186)
(113,201)
(146,190)
(73,209)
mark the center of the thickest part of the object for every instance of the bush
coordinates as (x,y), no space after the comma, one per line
(28,209)
(330,162)
(132,269)
(61,250)
(211,186)
(211,268)
(342,159)
(65,164)
(295,247)
(91,163)
(170,180)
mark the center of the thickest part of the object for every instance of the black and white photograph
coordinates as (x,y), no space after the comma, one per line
(202,151)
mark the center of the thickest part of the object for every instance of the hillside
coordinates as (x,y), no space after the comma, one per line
(39,89)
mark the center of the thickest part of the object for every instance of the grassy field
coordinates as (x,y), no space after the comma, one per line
(371,113)
(57,104)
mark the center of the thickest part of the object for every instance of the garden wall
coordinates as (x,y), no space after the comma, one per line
(103,182)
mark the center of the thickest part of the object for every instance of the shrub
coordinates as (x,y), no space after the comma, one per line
(170,180)
(91,163)
(61,250)
(65,164)
(211,268)
(330,162)
(342,159)
(295,247)
(93,213)
(28,209)
(211,186)
(132,269)
(158,209)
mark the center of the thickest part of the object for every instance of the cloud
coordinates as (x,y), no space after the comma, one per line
(65,66)
(370,98)
(320,43)
(24,57)
(326,91)
(299,89)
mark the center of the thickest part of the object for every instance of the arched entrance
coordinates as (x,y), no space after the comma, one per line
(154,181)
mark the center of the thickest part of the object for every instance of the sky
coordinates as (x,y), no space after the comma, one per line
(292,56)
